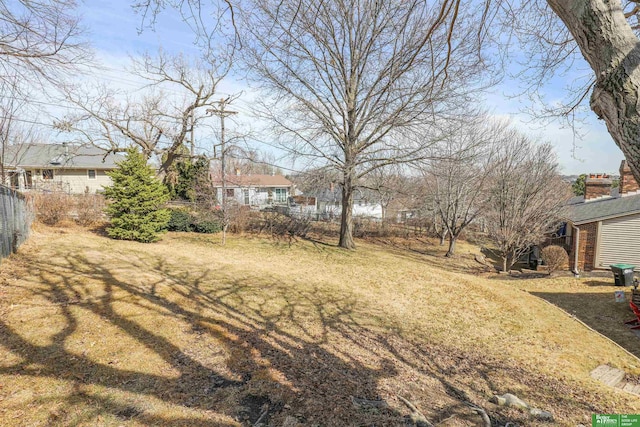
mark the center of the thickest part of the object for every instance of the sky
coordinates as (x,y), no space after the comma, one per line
(113,32)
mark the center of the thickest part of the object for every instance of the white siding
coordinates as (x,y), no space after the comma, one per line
(257,196)
(74,181)
(370,210)
(619,241)
(333,209)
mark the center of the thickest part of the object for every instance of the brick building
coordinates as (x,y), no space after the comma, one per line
(603,226)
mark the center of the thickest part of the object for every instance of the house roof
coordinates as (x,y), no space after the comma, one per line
(581,212)
(60,156)
(253,181)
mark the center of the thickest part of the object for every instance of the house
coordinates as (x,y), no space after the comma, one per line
(254,190)
(603,226)
(329,203)
(73,169)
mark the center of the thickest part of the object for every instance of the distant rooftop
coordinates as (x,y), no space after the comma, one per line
(60,156)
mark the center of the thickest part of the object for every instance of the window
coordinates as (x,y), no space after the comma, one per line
(29,180)
(91,173)
(14,180)
(246,197)
(281,195)
(229,192)
(47,174)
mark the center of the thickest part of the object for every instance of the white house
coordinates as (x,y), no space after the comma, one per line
(329,203)
(254,190)
(63,167)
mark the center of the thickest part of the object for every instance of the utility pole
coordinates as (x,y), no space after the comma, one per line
(193,125)
(222,113)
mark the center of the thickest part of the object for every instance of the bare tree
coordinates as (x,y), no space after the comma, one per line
(39,39)
(459,176)
(210,21)
(14,134)
(526,196)
(351,81)
(251,161)
(390,185)
(158,122)
(315,180)
(9,107)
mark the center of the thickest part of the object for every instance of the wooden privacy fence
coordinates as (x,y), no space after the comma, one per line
(15,220)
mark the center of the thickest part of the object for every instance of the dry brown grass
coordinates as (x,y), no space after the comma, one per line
(186,332)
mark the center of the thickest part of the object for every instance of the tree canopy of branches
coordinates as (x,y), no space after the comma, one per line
(391,187)
(525,197)
(11,131)
(351,83)
(39,39)
(458,177)
(157,123)
(603,32)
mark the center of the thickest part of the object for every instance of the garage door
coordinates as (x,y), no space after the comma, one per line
(620,241)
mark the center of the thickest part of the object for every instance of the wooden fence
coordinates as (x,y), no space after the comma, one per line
(16,217)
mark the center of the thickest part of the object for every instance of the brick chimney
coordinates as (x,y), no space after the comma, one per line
(628,183)
(597,185)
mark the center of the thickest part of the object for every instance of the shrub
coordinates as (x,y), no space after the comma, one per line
(282,226)
(207,226)
(136,201)
(198,222)
(52,208)
(239,218)
(555,258)
(89,209)
(180,220)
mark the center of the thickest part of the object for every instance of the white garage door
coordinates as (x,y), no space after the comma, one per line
(620,241)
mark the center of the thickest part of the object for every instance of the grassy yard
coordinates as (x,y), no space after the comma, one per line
(185,332)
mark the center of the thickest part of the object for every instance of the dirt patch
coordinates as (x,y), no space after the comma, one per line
(257,409)
(127,413)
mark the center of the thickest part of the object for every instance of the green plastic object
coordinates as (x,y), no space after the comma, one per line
(623,274)
(622,266)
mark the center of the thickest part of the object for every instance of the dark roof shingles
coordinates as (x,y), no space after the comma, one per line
(53,156)
(604,208)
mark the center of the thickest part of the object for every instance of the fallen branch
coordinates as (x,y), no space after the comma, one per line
(480,411)
(445,420)
(416,416)
(264,413)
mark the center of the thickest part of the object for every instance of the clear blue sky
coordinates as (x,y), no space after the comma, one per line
(113,31)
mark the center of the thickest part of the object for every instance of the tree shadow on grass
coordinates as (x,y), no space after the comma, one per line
(263,358)
(217,340)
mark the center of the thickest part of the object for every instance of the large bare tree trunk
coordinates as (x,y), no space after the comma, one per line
(611,48)
(346,224)
(452,245)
